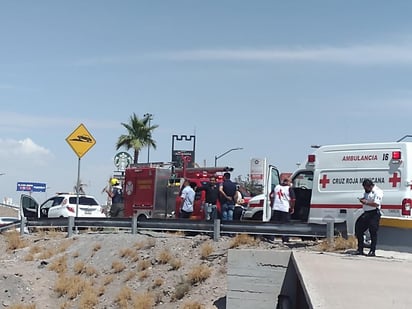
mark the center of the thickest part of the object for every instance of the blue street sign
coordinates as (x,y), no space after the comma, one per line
(31,186)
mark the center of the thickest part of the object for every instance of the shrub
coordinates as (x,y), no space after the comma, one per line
(199,274)
(242,239)
(206,250)
(144,300)
(14,241)
(181,289)
(118,266)
(192,305)
(59,265)
(164,256)
(175,263)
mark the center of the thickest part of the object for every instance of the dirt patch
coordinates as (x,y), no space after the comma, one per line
(119,270)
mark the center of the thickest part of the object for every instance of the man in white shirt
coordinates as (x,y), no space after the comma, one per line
(283,203)
(371,204)
(187,200)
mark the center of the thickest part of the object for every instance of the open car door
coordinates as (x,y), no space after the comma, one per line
(29,207)
(272,179)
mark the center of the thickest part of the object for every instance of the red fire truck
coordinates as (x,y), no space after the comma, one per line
(152,192)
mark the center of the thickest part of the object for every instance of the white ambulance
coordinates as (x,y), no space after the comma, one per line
(331,183)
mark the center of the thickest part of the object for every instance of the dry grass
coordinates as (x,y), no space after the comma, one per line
(242,239)
(64,245)
(138,245)
(123,297)
(118,266)
(91,271)
(150,243)
(339,244)
(59,265)
(164,256)
(65,305)
(97,247)
(129,253)
(129,276)
(144,300)
(206,250)
(35,249)
(79,267)
(192,305)
(76,254)
(15,241)
(143,275)
(175,263)
(199,274)
(70,286)
(158,282)
(46,254)
(143,265)
(107,279)
(89,298)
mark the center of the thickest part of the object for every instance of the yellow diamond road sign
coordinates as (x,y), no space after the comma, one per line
(81,140)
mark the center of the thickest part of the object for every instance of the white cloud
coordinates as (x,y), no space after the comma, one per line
(23,151)
(355,54)
(366,54)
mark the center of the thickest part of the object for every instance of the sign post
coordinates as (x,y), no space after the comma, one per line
(80,140)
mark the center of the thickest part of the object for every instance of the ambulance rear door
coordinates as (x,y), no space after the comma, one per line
(271,180)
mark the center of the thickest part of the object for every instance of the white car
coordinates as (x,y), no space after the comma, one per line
(62,205)
(254,209)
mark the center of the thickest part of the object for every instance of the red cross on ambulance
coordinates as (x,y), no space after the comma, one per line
(394,180)
(324,181)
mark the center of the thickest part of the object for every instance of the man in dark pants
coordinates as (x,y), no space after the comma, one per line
(212,194)
(227,191)
(371,204)
(283,204)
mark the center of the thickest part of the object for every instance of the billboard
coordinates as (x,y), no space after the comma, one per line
(257,170)
(31,186)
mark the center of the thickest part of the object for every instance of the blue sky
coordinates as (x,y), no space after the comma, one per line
(272,77)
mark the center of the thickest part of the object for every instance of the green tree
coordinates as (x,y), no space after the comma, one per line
(139,135)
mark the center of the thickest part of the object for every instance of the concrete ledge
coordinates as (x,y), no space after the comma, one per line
(341,281)
(255,277)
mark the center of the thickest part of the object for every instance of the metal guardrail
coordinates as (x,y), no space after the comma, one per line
(216,227)
(9,226)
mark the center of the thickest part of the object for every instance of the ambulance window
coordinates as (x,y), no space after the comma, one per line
(303,180)
(274,179)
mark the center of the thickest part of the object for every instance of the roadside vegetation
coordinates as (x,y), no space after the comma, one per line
(160,271)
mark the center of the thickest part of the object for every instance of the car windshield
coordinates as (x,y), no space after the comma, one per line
(83,200)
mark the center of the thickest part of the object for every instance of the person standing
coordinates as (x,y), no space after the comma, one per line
(371,204)
(239,201)
(283,203)
(227,191)
(212,194)
(187,198)
(116,194)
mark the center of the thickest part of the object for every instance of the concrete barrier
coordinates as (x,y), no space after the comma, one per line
(308,279)
(255,277)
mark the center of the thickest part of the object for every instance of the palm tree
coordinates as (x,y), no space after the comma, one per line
(139,135)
